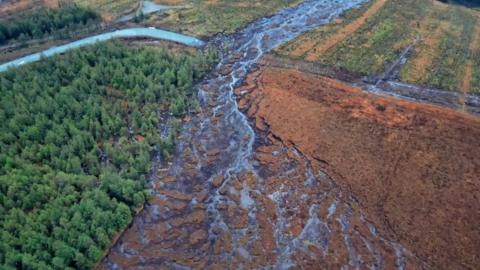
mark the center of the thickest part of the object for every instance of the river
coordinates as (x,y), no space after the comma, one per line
(217,207)
(123,33)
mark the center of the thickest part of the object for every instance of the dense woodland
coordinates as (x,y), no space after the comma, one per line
(77,136)
(42,22)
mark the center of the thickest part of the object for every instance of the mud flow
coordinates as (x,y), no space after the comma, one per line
(237,196)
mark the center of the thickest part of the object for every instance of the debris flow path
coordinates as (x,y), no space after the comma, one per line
(218,206)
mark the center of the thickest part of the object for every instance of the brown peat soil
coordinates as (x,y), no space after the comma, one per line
(411,168)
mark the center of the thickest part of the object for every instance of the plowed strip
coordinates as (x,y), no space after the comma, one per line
(427,54)
(467,78)
(303,48)
(475,43)
(345,32)
(474,47)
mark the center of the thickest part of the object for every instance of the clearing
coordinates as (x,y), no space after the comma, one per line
(367,41)
(206,18)
(345,32)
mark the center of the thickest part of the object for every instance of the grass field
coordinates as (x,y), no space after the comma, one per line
(11,8)
(368,40)
(109,9)
(202,18)
(205,18)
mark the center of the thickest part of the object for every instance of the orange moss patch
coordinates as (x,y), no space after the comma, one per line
(140,138)
(467,78)
(304,47)
(474,48)
(345,32)
(412,167)
(11,7)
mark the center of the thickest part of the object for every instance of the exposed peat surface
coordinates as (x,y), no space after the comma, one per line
(305,172)
(411,169)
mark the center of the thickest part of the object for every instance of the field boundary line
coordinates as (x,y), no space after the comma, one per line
(346,31)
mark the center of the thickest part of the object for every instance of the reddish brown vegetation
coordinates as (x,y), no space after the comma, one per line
(412,167)
(11,7)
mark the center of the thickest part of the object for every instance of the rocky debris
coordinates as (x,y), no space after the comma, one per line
(242,104)
(260,124)
(225,70)
(156,200)
(175,194)
(223,244)
(197,237)
(236,57)
(217,181)
(212,156)
(213,153)
(187,119)
(187,153)
(169,179)
(216,119)
(201,196)
(176,205)
(197,217)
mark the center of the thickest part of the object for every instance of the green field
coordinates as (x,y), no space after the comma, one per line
(109,9)
(205,18)
(442,36)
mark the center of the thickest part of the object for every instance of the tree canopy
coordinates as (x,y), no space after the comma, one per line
(71,167)
(42,21)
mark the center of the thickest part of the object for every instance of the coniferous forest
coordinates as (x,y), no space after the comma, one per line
(78,133)
(42,22)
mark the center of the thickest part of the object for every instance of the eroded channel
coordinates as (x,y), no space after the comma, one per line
(234,198)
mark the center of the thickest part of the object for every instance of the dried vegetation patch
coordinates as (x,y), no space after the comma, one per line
(411,167)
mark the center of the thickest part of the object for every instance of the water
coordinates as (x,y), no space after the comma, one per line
(124,33)
(148,7)
(247,221)
(151,7)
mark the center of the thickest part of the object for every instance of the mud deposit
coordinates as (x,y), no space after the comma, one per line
(410,169)
(263,195)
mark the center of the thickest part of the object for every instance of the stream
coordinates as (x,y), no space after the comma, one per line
(215,206)
(123,33)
